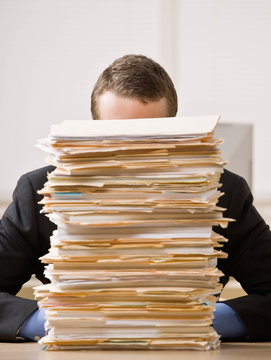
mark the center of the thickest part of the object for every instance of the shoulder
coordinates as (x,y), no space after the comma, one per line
(229,179)
(37,177)
(234,188)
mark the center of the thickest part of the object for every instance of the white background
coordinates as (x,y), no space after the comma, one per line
(217,53)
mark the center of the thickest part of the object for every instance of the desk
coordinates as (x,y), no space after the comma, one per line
(227,351)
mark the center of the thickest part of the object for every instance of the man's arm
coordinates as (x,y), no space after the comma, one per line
(22,242)
(249,257)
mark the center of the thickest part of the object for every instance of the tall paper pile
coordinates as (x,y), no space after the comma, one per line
(132,262)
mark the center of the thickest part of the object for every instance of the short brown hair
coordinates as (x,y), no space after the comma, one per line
(135,76)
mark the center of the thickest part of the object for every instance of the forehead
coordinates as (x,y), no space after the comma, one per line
(113,106)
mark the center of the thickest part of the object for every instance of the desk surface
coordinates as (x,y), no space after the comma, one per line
(227,351)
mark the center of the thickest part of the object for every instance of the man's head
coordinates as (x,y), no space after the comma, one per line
(133,86)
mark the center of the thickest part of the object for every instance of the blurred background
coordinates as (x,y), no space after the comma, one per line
(216,51)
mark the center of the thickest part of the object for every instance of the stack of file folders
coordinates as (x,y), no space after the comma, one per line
(133,261)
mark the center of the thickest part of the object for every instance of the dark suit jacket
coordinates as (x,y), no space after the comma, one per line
(24,237)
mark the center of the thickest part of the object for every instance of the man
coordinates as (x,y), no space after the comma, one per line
(137,87)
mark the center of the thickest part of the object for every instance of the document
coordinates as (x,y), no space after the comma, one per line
(133,262)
